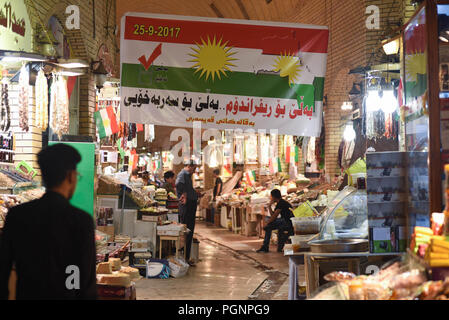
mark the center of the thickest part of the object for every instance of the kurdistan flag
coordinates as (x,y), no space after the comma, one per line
(106,122)
(227,74)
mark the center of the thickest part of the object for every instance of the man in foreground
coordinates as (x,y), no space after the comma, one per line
(282,224)
(50,243)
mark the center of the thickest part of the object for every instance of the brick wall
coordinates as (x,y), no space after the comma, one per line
(84,44)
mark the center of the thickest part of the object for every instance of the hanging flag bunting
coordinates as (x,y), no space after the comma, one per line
(271,166)
(120,149)
(223,73)
(287,154)
(250,177)
(106,122)
(296,154)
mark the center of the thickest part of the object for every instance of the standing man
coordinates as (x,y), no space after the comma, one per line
(281,224)
(50,243)
(218,188)
(188,202)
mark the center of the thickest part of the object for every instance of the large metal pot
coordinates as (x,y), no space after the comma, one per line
(339,246)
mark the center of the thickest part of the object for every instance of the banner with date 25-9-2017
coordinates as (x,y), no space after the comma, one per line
(226,74)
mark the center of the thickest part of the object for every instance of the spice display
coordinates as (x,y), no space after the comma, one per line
(23,100)
(41,111)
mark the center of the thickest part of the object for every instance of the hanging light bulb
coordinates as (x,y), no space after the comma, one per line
(349,133)
(373,101)
(346,106)
(389,103)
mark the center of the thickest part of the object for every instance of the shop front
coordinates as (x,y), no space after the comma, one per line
(388,228)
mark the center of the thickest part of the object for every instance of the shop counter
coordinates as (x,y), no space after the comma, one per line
(312,261)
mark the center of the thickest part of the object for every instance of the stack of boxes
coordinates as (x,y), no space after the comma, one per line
(387,201)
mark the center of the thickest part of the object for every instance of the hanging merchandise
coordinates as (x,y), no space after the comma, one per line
(348,150)
(311,150)
(305,143)
(379,123)
(370,128)
(41,111)
(23,99)
(5,121)
(59,106)
(389,123)
(149,132)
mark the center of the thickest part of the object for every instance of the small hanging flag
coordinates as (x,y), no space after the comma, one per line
(296,154)
(106,122)
(250,177)
(139,127)
(271,166)
(279,167)
(120,149)
(287,154)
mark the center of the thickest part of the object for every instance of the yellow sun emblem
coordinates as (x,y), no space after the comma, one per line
(212,58)
(415,64)
(288,66)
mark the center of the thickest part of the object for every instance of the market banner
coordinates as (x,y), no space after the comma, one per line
(224,73)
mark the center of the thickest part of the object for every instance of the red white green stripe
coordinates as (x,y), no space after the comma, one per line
(106,122)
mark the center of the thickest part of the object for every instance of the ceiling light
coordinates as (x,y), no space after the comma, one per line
(346,106)
(391,46)
(443,39)
(20,56)
(349,133)
(72,63)
(389,103)
(373,101)
(72,72)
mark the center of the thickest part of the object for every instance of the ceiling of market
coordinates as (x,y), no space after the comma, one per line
(274,10)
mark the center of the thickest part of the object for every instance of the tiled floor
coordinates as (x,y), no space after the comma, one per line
(229,269)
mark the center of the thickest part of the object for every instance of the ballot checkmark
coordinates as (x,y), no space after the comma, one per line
(156,53)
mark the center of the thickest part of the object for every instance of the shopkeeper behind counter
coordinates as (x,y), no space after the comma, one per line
(169,184)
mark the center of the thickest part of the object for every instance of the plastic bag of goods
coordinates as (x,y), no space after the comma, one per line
(178,267)
(157,268)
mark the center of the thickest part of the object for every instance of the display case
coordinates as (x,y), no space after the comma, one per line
(346,216)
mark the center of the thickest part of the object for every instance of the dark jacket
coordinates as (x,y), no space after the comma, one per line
(42,239)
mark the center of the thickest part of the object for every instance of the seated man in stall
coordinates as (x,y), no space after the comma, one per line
(275,223)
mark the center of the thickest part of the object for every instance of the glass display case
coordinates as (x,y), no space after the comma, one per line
(346,216)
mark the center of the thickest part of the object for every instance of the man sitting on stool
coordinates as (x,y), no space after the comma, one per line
(282,224)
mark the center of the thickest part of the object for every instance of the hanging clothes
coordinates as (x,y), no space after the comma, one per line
(370,126)
(5,112)
(41,110)
(23,99)
(348,150)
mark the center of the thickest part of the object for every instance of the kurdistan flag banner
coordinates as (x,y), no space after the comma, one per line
(224,73)
(106,122)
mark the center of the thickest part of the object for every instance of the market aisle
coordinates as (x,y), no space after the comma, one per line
(220,275)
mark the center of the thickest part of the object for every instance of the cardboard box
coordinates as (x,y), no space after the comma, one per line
(380,240)
(106,292)
(401,239)
(109,230)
